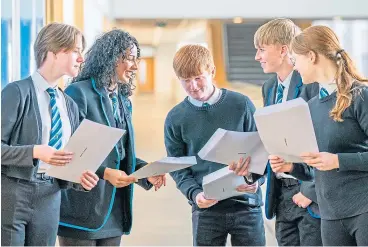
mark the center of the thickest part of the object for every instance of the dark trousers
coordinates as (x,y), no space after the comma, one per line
(244,224)
(294,225)
(114,241)
(29,211)
(346,232)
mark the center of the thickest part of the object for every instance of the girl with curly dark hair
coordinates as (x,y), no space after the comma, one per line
(101,91)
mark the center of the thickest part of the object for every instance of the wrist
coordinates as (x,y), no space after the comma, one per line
(107,173)
(36,152)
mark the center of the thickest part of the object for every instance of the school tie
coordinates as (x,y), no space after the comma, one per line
(280,93)
(114,100)
(205,104)
(323,93)
(56,133)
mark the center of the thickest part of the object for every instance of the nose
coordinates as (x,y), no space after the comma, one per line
(193,84)
(257,57)
(80,59)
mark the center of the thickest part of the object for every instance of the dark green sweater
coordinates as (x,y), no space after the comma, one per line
(342,192)
(187,130)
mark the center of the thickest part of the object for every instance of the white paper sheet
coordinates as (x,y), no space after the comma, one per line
(227,146)
(91,143)
(222,184)
(286,129)
(165,165)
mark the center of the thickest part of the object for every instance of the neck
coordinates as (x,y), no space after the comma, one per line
(210,95)
(112,85)
(284,71)
(326,74)
(49,74)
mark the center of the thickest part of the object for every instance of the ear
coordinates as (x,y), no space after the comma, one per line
(213,72)
(312,56)
(284,51)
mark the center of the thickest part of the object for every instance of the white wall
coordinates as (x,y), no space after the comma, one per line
(213,9)
(94,12)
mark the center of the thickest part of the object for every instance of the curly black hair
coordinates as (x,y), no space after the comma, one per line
(101,58)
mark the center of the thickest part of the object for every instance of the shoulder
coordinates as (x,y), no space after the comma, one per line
(235,96)
(360,93)
(79,86)
(20,86)
(269,83)
(177,112)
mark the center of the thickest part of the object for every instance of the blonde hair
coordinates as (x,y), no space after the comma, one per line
(322,41)
(192,60)
(278,31)
(55,37)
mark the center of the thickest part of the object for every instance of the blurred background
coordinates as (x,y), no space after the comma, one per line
(162,27)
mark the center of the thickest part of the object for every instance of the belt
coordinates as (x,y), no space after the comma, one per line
(43,176)
(288,182)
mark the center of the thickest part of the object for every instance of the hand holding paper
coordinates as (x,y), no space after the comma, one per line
(165,165)
(278,164)
(286,129)
(227,146)
(90,144)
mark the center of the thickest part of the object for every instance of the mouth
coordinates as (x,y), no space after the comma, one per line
(130,74)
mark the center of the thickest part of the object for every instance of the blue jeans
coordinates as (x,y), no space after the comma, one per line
(244,223)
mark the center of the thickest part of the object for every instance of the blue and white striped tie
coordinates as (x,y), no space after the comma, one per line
(114,101)
(280,93)
(323,93)
(56,133)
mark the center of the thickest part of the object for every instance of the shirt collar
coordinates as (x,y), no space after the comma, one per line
(286,82)
(212,100)
(41,83)
(330,87)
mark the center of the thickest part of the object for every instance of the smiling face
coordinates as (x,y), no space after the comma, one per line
(271,57)
(127,68)
(306,66)
(199,87)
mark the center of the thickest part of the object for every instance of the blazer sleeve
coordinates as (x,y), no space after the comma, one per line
(12,104)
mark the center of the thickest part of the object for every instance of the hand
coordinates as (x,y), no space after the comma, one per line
(157,181)
(118,178)
(241,167)
(301,200)
(202,202)
(89,180)
(52,156)
(248,188)
(278,164)
(321,161)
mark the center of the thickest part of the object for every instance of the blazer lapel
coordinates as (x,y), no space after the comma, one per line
(105,102)
(271,92)
(295,86)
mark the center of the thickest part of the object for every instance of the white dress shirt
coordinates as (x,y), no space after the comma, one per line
(43,98)
(286,84)
(330,87)
(212,100)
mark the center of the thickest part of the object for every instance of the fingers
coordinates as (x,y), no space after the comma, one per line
(244,170)
(309,155)
(86,184)
(247,188)
(91,177)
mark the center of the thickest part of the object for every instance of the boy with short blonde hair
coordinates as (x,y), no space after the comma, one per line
(188,127)
(293,203)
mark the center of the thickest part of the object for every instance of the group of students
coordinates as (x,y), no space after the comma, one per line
(323,201)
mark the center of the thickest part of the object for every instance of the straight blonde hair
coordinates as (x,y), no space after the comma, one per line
(55,37)
(322,41)
(278,31)
(192,60)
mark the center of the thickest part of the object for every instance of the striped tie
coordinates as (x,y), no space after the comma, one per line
(114,100)
(56,133)
(280,93)
(205,104)
(323,93)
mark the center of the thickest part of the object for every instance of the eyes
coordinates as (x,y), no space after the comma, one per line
(132,59)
